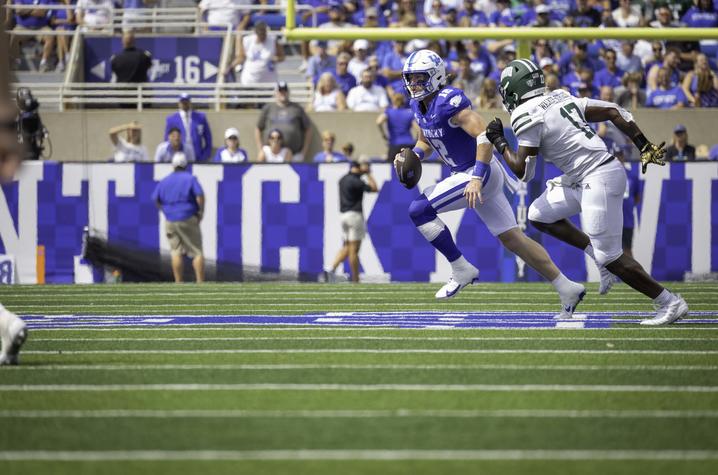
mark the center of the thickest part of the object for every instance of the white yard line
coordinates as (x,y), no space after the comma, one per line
(376,338)
(359,387)
(358,414)
(524,303)
(60,352)
(283,367)
(380,455)
(347,328)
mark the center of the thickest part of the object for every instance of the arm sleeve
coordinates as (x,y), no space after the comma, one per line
(529,135)
(196,187)
(585,102)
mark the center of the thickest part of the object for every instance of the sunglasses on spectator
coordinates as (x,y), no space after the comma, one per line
(275,137)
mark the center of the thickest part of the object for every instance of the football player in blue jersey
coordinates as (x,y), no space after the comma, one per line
(450,127)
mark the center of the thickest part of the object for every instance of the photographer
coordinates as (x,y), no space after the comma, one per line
(351,195)
(31,132)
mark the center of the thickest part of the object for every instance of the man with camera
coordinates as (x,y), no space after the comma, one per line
(31,132)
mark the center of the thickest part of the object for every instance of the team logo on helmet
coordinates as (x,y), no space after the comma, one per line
(424,73)
(520,81)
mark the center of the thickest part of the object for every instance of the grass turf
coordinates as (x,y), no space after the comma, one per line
(291,399)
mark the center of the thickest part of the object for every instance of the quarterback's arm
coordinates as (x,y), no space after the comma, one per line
(474,125)
(423,144)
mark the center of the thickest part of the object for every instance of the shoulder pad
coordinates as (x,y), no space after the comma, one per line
(451,101)
(527,115)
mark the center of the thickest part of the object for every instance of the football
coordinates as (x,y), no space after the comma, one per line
(408,168)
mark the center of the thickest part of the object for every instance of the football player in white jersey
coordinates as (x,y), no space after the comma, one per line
(12,329)
(555,124)
(449,126)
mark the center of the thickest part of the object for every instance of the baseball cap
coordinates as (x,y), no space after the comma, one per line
(679,128)
(184,97)
(545,62)
(509,49)
(542,9)
(231,132)
(281,86)
(179,160)
(361,44)
(371,12)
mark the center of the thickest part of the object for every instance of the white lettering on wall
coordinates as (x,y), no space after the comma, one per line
(208,176)
(702,175)
(644,237)
(23,243)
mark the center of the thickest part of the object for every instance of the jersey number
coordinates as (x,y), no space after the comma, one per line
(581,124)
(443,153)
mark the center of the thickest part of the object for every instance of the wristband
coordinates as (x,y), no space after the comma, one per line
(640,141)
(481,171)
(419,152)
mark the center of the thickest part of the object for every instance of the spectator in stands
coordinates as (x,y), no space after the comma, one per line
(194,127)
(256,54)
(626,60)
(131,64)
(435,16)
(379,79)
(345,79)
(680,149)
(130,150)
(223,14)
(543,17)
(670,63)
(393,63)
(576,58)
(132,14)
(701,15)
(368,15)
(470,16)
(616,142)
(360,61)
(585,15)
(713,153)
(34,19)
(395,126)
(610,75)
(328,154)
(274,151)
(290,119)
(626,15)
(94,14)
(348,151)
(701,84)
(632,96)
(467,80)
(548,66)
(174,144)
(63,20)
(231,152)
(321,62)
(664,18)
(327,96)
(552,82)
(503,15)
(181,198)
(665,96)
(367,96)
(337,19)
(488,98)
(480,58)
(404,7)
(582,77)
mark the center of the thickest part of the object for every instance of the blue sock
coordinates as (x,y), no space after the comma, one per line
(444,243)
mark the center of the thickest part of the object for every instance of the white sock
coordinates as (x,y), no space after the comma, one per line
(460,264)
(664,298)
(563,285)
(589,251)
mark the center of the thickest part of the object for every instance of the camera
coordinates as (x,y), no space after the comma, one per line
(30,130)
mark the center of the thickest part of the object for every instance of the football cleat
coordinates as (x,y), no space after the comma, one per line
(676,309)
(13,333)
(458,282)
(607,280)
(569,304)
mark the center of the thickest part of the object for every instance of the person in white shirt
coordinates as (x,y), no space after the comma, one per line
(221,13)
(275,151)
(360,61)
(93,14)
(231,152)
(130,150)
(328,97)
(257,55)
(367,96)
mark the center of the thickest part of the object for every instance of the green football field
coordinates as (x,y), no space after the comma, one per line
(347,379)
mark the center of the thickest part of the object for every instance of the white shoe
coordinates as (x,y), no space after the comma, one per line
(569,304)
(458,282)
(13,332)
(673,311)
(607,280)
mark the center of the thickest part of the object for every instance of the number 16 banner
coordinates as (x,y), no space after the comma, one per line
(181,60)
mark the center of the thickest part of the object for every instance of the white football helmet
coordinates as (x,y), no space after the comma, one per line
(424,73)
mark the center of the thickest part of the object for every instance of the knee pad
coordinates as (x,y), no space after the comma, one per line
(421,212)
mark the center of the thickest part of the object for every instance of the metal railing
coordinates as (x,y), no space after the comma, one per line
(215,96)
